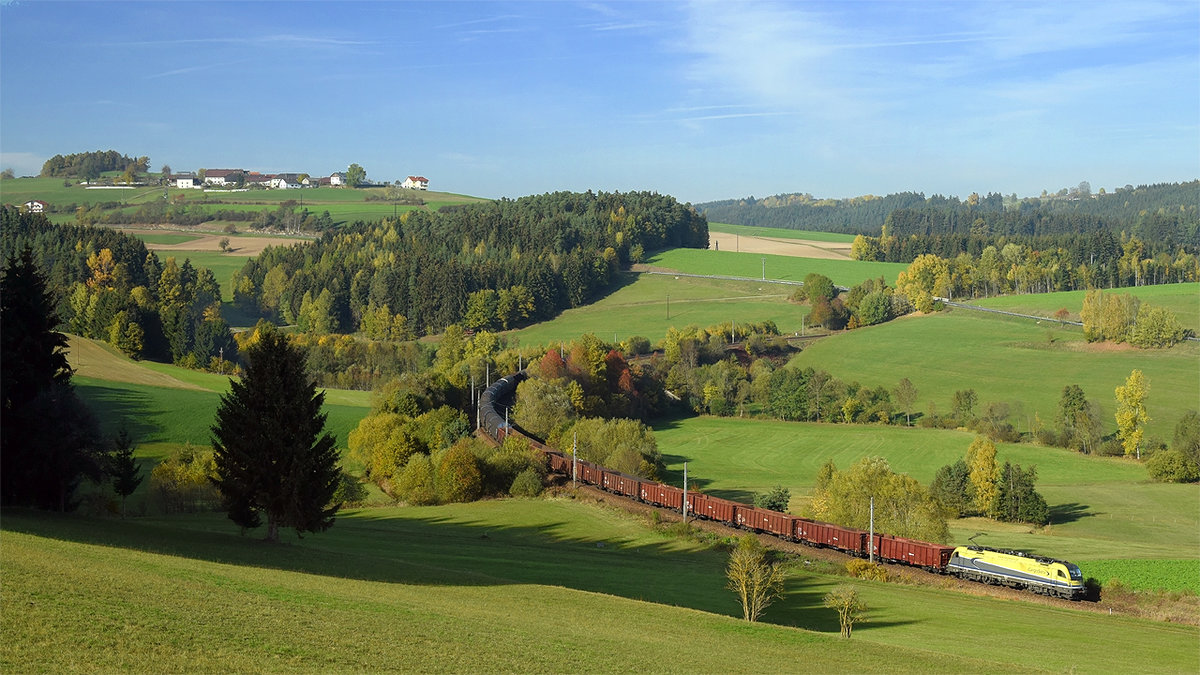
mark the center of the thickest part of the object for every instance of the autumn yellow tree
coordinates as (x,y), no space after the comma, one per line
(849,606)
(1131,412)
(981,460)
(756,580)
(926,277)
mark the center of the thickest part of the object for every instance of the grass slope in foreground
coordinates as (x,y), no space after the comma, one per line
(502,586)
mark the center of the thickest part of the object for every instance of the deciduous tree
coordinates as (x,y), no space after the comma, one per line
(850,608)
(906,396)
(1131,412)
(273,456)
(755,579)
(981,460)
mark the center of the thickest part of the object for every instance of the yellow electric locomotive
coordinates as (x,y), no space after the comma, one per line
(1018,570)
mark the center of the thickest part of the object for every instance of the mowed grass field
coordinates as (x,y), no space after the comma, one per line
(1009,360)
(500,586)
(788,268)
(639,307)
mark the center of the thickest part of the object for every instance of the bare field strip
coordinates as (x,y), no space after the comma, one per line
(800,248)
(204,241)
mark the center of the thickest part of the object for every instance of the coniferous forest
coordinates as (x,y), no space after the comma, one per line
(487,266)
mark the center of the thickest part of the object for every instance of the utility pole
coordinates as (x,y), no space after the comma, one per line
(871,545)
(574,460)
(764,261)
(222,366)
(685,492)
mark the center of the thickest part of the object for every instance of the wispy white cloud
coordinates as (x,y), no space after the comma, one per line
(22,163)
(188,69)
(258,40)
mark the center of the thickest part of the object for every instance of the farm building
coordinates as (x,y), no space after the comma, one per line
(185,180)
(219,176)
(416,183)
(337,178)
(35,206)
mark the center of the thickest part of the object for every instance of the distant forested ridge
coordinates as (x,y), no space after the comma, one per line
(92,164)
(109,287)
(493,265)
(1163,213)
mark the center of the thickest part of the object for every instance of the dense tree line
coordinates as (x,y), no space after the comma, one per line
(107,286)
(287,217)
(501,263)
(1163,213)
(88,165)
(1008,267)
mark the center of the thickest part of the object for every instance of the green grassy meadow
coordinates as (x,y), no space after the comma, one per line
(1101,507)
(500,586)
(1012,360)
(788,268)
(639,307)
(164,405)
(1182,299)
(780,233)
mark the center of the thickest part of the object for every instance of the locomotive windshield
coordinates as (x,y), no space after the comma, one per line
(1075,573)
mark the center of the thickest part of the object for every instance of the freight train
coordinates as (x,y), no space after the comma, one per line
(976,563)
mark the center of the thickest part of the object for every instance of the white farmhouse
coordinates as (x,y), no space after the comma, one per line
(219,176)
(416,183)
(337,178)
(286,181)
(185,180)
(36,206)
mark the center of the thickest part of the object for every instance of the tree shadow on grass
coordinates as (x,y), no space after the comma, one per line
(1069,513)
(119,407)
(428,547)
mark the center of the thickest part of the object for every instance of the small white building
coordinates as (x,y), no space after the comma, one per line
(185,180)
(219,176)
(36,206)
(337,178)
(416,183)
(286,181)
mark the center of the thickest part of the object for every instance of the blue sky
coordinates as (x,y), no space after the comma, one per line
(704,100)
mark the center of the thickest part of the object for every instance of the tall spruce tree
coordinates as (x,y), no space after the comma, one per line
(49,439)
(271,450)
(123,468)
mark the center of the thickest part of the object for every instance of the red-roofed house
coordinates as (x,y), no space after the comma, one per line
(36,206)
(416,183)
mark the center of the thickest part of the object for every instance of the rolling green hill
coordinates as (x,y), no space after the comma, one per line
(1011,360)
(502,586)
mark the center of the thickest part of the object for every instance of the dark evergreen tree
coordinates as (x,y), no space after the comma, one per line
(775,499)
(49,440)
(949,488)
(123,468)
(1017,500)
(271,450)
